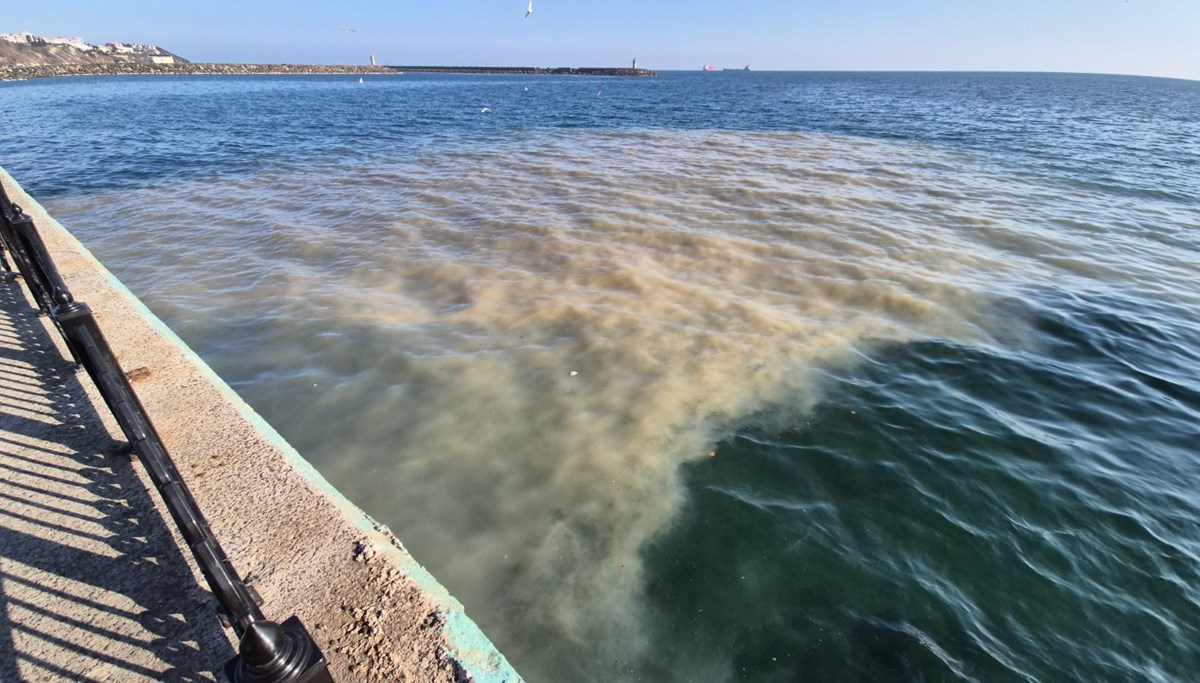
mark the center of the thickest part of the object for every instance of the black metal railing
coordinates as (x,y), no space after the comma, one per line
(268,652)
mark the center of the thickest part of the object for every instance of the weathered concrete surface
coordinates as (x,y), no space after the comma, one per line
(374,611)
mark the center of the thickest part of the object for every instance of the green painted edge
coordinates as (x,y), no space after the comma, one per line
(468,645)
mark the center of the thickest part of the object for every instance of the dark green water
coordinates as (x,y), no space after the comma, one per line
(940,333)
(954,513)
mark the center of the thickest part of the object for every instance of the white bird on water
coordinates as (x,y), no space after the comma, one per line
(530,10)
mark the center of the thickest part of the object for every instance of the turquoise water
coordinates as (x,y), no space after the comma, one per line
(709,377)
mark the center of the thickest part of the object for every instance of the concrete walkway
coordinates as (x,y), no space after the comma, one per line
(92,583)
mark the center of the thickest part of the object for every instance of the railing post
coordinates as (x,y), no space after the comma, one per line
(37,269)
(278,652)
(13,223)
(54,289)
(8,269)
(5,238)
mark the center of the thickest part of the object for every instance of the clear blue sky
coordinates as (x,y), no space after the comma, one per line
(1148,37)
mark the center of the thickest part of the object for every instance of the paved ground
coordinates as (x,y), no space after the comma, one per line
(92,584)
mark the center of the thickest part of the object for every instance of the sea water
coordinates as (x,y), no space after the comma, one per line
(704,377)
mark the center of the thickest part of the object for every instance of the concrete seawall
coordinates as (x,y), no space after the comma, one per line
(376,613)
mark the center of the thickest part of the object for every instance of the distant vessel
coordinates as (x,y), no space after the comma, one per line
(709,67)
(744,68)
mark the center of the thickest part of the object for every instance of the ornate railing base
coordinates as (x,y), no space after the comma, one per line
(278,653)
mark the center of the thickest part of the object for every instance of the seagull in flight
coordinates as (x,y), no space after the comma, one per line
(349,30)
(530,10)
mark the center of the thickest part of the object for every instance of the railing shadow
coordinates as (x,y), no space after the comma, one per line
(92,584)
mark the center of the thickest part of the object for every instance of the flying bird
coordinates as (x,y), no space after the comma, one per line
(530,10)
(350,30)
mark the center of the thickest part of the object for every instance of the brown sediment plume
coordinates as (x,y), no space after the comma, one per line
(519,344)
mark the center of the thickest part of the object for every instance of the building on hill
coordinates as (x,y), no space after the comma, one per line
(76,43)
(20,38)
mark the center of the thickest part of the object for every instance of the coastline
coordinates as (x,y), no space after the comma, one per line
(16,73)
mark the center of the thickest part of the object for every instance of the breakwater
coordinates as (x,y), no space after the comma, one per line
(47,71)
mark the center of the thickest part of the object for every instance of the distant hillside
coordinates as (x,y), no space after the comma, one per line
(25,49)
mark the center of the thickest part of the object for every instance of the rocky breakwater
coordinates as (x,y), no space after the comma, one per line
(124,69)
(531,70)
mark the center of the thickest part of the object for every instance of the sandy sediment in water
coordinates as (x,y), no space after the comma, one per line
(372,609)
(529,338)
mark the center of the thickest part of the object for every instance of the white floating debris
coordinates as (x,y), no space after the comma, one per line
(485,110)
(573,373)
